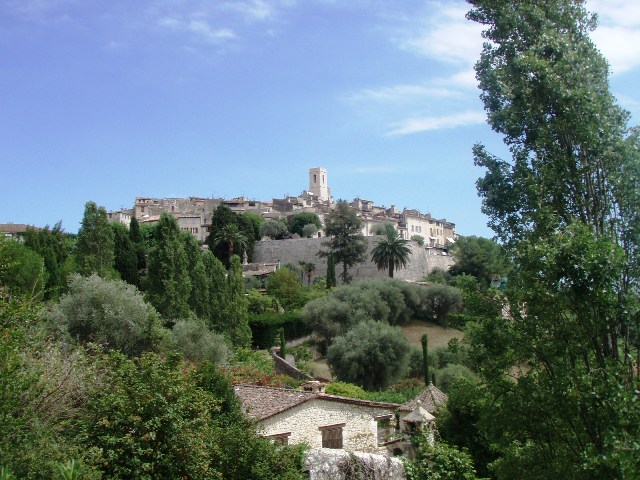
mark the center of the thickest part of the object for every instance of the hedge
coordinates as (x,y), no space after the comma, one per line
(264,327)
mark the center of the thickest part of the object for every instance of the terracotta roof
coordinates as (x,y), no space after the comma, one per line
(15,227)
(430,398)
(264,402)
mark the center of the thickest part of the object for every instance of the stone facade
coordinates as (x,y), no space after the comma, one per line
(304,422)
(422,261)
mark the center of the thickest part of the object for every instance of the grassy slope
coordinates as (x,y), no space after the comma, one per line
(438,337)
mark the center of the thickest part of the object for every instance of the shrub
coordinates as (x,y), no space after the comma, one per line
(371,355)
(309,230)
(442,300)
(454,373)
(284,284)
(196,342)
(264,327)
(273,229)
(111,313)
(345,389)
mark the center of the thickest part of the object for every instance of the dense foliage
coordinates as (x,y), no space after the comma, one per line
(371,354)
(565,206)
(346,242)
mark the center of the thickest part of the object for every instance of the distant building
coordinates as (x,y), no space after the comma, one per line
(194,213)
(15,231)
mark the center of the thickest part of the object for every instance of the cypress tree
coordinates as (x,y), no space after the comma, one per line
(126,260)
(94,250)
(425,358)
(331,271)
(237,318)
(168,283)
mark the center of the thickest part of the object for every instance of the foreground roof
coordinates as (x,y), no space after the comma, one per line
(430,398)
(264,402)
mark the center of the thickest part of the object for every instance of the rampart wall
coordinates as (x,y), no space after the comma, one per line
(422,262)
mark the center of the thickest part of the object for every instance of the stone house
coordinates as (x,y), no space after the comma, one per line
(15,231)
(319,420)
(328,421)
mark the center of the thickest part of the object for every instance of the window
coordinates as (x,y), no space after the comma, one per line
(332,436)
(386,428)
(280,438)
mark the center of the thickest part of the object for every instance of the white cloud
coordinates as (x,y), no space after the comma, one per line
(618,33)
(447,36)
(199,29)
(251,10)
(416,125)
(400,93)
(203,31)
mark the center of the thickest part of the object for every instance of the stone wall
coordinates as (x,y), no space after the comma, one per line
(360,432)
(422,262)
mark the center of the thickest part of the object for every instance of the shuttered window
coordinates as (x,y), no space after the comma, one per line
(332,436)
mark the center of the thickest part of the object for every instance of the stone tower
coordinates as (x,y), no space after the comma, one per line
(318,184)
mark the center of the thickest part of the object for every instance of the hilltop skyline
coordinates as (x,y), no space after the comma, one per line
(106,101)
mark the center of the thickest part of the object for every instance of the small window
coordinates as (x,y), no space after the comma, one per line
(280,438)
(332,436)
(386,428)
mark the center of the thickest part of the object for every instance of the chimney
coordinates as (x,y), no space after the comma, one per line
(313,386)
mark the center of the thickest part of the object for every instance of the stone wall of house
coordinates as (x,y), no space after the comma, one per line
(360,432)
(423,260)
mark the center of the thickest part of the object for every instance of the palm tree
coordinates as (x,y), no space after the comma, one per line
(391,252)
(232,237)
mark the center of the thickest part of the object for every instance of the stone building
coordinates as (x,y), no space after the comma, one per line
(194,213)
(317,419)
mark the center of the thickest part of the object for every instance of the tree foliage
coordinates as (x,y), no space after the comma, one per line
(346,242)
(52,245)
(284,284)
(391,251)
(565,207)
(274,229)
(22,269)
(94,249)
(372,354)
(298,221)
(168,283)
(126,257)
(479,257)
(232,233)
(111,313)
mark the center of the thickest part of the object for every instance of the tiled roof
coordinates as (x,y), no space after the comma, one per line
(14,228)
(430,398)
(264,402)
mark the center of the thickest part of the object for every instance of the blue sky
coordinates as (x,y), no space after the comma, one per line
(107,100)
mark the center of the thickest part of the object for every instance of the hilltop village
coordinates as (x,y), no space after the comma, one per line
(194,213)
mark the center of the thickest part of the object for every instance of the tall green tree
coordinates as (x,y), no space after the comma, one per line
(298,221)
(565,207)
(231,236)
(126,258)
(237,311)
(22,269)
(94,249)
(346,242)
(53,246)
(168,284)
(216,288)
(232,233)
(480,257)
(331,271)
(135,235)
(391,252)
